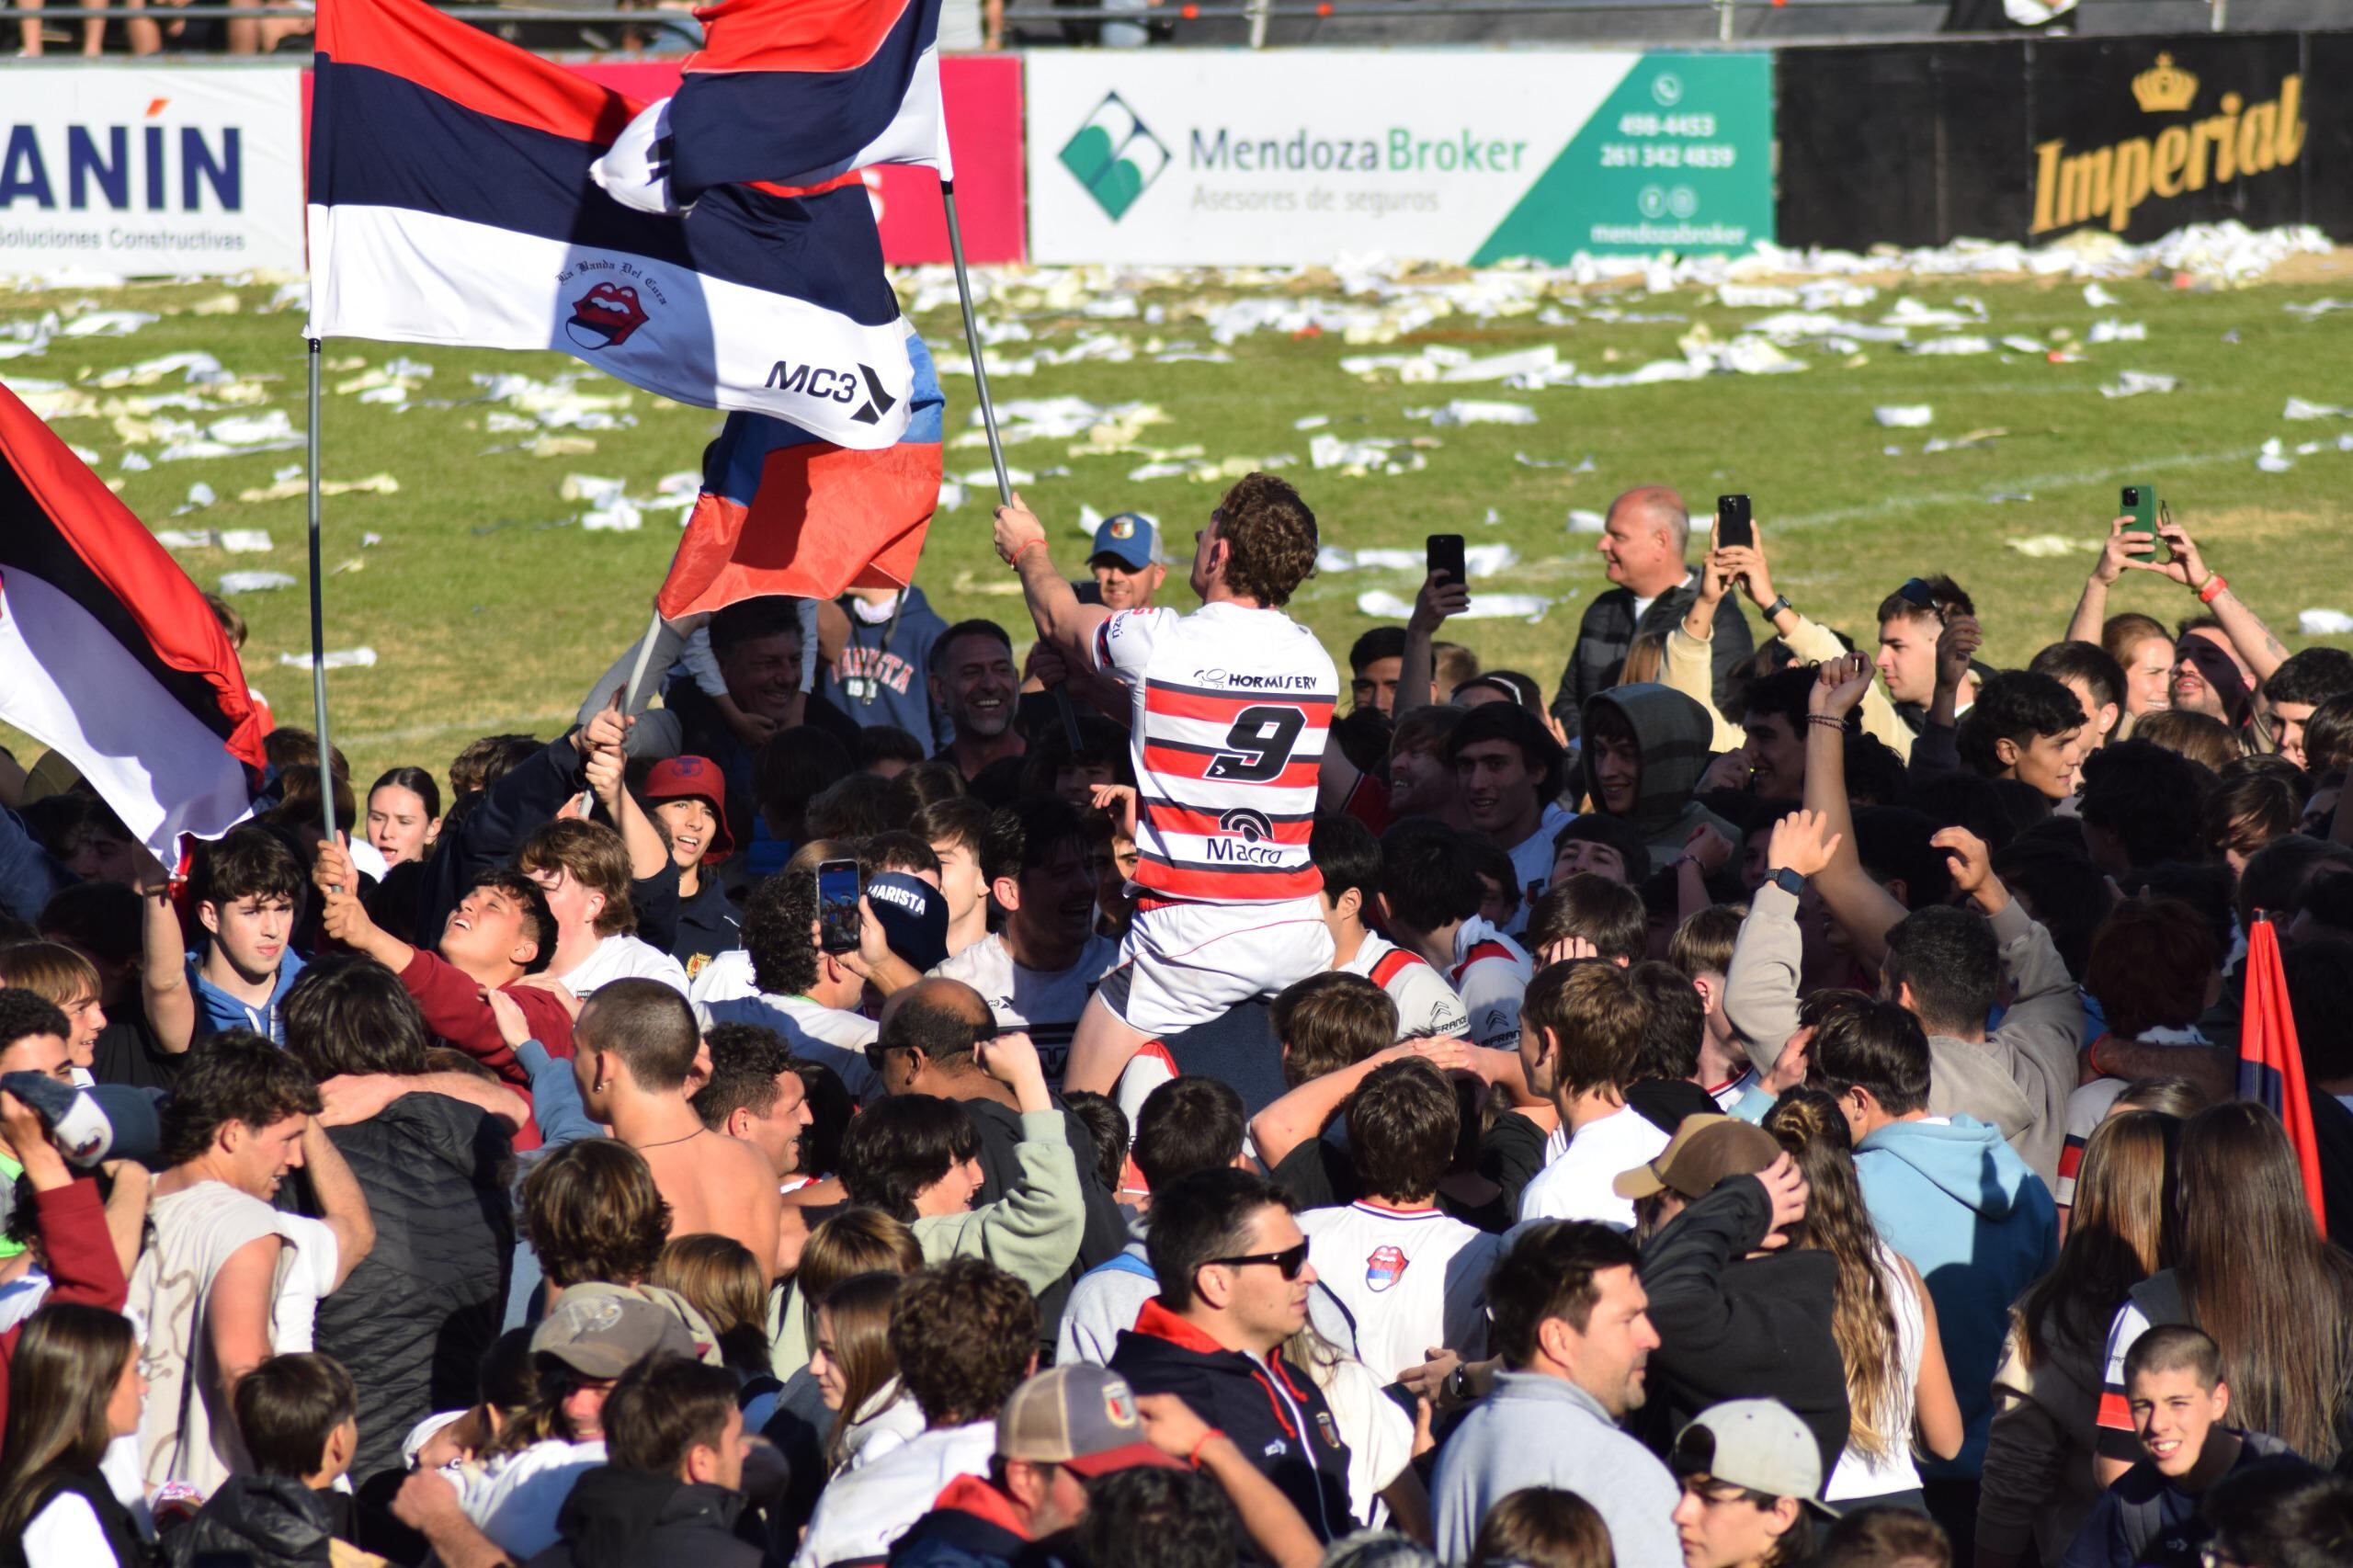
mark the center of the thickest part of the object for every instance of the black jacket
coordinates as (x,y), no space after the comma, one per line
(1273,1412)
(1608,631)
(264,1522)
(617,1517)
(412,1322)
(708,925)
(1732,1327)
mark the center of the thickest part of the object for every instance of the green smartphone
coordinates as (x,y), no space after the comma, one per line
(2139,502)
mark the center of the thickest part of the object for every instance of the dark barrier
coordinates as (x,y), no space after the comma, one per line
(1914,145)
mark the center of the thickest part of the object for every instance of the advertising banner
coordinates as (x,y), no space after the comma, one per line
(141,171)
(1925,144)
(982,96)
(1289,158)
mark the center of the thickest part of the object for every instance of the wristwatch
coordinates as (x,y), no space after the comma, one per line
(1781,602)
(1458,1386)
(1789,881)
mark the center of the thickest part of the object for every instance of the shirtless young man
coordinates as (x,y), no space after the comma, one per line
(633,1049)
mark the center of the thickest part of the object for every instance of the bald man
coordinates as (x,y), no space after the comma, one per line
(1641,548)
(929,1032)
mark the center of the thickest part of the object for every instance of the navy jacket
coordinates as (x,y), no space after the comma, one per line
(1273,1412)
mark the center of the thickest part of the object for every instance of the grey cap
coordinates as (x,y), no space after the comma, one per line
(602,1333)
(1756,1443)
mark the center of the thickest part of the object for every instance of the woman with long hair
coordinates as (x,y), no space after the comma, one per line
(859,1375)
(1384,1490)
(74,1387)
(2254,1273)
(1883,1320)
(2038,1479)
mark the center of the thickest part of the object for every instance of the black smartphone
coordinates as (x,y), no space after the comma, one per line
(838,890)
(1733,525)
(1446,556)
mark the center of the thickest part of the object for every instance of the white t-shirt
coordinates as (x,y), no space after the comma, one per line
(860,1513)
(1045,1002)
(514,1501)
(1577,1184)
(727,976)
(306,1266)
(1427,1005)
(619,956)
(1532,861)
(65,1534)
(1411,1278)
(810,1030)
(1856,1475)
(1491,973)
(1378,1433)
(196,1231)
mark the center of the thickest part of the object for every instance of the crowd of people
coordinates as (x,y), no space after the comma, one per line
(1147,1101)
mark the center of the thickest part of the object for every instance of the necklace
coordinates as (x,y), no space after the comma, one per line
(665,1143)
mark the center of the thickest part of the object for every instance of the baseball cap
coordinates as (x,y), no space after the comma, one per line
(1704,1150)
(601,1334)
(1079,1415)
(1130,538)
(914,917)
(694,779)
(93,1123)
(1756,1443)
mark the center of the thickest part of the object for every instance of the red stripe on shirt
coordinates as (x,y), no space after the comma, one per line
(2115,1412)
(1221,710)
(1228,887)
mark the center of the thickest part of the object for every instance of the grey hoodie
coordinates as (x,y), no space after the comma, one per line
(1673,734)
(1536,1430)
(2018,1078)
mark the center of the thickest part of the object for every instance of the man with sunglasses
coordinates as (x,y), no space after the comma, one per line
(1911,620)
(1233,1276)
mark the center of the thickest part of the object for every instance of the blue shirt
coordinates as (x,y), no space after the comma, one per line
(217,1010)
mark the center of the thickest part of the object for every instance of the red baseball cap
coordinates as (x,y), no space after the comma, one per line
(695,779)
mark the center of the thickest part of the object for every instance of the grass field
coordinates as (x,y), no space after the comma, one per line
(490,606)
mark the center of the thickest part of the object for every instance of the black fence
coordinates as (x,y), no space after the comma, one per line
(1915,144)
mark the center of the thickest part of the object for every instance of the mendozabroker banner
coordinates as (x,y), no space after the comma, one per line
(1472,156)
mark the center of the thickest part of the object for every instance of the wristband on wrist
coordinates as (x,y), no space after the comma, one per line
(1014,561)
(1193,1459)
(1832,721)
(2213,589)
(1781,602)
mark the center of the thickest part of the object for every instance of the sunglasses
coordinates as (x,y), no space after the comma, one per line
(1916,593)
(1293,1261)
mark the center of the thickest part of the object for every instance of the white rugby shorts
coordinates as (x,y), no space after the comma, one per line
(1184,964)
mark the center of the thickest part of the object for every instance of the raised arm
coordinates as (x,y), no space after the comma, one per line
(1305,1111)
(1416,680)
(1863,908)
(1273,1525)
(2091,609)
(343,918)
(342,1205)
(2262,651)
(1937,749)
(163,970)
(1034,1231)
(1053,604)
(603,762)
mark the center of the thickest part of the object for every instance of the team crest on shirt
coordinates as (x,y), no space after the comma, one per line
(1383,1269)
(1331,1433)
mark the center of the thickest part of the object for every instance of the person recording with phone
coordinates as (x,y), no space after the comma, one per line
(1641,548)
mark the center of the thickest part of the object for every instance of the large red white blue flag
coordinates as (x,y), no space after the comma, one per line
(451,202)
(796,91)
(783,512)
(109,654)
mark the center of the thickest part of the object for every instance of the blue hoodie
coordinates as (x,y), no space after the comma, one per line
(1979,1226)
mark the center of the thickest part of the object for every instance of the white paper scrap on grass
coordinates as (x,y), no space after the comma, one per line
(335,659)
(2324,623)
(254,582)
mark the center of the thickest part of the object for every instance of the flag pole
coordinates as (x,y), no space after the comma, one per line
(988,410)
(644,658)
(319,616)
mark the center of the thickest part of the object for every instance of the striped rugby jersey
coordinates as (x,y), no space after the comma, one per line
(1232,708)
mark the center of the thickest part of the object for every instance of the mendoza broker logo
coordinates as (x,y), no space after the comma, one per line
(1115,156)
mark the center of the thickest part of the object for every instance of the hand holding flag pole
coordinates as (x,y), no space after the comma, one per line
(988,409)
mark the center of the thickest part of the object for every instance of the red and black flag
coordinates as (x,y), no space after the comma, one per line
(109,654)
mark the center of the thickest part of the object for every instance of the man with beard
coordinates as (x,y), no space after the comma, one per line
(974,683)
